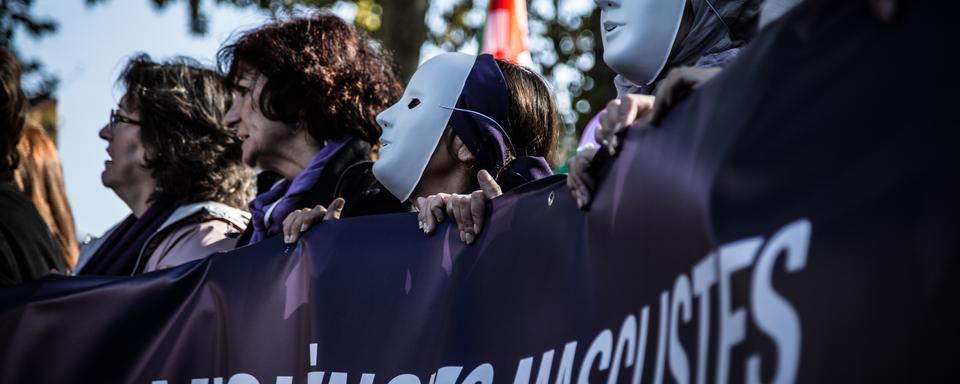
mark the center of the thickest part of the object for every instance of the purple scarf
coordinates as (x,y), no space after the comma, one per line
(288,194)
(118,254)
(480,120)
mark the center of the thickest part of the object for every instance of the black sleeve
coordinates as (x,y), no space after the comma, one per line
(364,195)
(9,274)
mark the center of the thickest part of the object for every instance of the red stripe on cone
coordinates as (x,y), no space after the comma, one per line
(505,35)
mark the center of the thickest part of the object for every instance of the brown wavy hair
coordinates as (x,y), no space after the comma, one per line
(533,112)
(320,70)
(189,152)
(40,176)
(13,109)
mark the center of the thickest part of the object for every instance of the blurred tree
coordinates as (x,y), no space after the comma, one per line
(564,42)
(396,31)
(15,16)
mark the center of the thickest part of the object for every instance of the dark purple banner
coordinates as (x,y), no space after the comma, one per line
(791,221)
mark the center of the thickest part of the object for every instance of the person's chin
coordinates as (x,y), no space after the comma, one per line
(248,154)
(615,56)
(106,178)
(250,161)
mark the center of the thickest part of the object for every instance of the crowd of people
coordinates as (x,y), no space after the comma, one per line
(304,121)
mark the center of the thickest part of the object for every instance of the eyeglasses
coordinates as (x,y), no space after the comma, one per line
(116,117)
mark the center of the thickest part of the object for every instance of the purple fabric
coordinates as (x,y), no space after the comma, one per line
(118,254)
(589,135)
(289,194)
(480,119)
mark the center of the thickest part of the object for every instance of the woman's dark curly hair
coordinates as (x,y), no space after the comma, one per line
(189,152)
(319,70)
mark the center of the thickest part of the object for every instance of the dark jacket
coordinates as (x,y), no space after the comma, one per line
(348,175)
(27,249)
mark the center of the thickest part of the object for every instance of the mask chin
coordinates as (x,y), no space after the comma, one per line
(413,126)
(639,49)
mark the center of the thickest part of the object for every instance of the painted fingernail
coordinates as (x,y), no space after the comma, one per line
(288,239)
(420,224)
(476,228)
(468,239)
(303,228)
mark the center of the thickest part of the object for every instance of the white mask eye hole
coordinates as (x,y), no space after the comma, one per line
(413,103)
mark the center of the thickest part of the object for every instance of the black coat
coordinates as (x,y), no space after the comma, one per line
(348,175)
(27,249)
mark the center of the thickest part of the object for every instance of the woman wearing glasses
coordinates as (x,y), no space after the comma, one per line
(175,165)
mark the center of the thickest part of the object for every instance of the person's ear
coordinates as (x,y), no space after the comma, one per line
(461,152)
(301,121)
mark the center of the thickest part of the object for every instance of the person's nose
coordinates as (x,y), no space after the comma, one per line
(106,132)
(232,118)
(385,119)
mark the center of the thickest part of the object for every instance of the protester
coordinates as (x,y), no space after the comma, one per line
(680,81)
(642,42)
(307,93)
(40,176)
(495,128)
(175,165)
(27,250)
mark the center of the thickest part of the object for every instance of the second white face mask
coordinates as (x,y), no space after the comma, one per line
(638,35)
(414,125)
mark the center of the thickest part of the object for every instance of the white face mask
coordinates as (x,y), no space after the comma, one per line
(413,126)
(638,35)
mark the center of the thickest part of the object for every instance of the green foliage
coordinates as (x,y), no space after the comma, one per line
(15,16)
(198,22)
